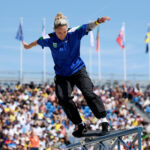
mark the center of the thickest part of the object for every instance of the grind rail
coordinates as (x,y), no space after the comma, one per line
(102,144)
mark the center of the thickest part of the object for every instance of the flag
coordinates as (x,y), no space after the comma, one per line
(19,35)
(147,38)
(121,38)
(97,40)
(91,39)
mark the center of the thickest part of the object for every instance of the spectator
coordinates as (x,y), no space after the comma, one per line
(34,141)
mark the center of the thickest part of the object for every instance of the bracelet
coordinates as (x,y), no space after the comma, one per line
(96,22)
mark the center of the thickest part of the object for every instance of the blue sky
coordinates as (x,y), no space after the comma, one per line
(134,13)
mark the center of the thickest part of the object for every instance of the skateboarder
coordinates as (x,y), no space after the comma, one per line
(70,70)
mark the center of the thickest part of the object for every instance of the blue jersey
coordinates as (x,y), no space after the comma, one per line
(66,53)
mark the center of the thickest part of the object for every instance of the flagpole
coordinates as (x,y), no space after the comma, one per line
(124,62)
(99,65)
(149,59)
(124,56)
(121,40)
(149,54)
(21,56)
(99,61)
(44,53)
(98,51)
(90,53)
(90,62)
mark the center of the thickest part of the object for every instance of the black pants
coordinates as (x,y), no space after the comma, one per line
(64,88)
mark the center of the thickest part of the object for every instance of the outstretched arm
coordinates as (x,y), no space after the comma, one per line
(28,46)
(92,25)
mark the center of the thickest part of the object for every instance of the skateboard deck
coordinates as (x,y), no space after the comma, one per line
(94,133)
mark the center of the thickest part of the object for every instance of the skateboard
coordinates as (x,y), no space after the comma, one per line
(94,133)
(91,135)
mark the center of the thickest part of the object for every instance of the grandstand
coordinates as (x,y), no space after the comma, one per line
(34,107)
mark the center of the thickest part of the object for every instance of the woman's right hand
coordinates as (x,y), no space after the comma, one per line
(25,44)
(28,46)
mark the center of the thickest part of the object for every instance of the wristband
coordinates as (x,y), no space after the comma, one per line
(99,21)
(96,22)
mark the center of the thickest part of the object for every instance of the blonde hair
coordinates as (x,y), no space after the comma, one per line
(60,20)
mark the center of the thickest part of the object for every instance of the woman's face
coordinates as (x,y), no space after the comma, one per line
(61,32)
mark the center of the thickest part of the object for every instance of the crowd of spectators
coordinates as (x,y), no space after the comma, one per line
(31,117)
(141,98)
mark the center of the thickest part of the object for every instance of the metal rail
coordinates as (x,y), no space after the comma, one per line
(117,135)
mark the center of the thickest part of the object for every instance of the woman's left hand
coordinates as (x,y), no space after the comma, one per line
(103,19)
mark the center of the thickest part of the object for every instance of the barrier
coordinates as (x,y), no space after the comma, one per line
(102,144)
